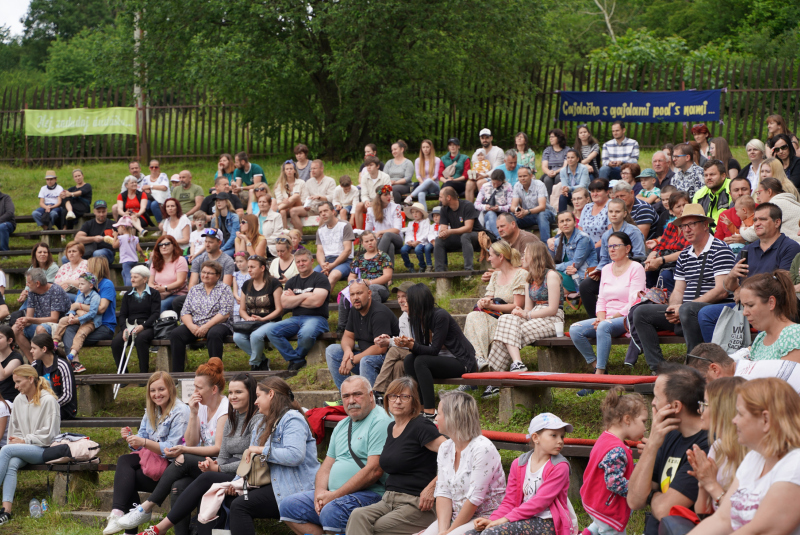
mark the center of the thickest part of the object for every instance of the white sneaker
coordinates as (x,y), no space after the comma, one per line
(135,518)
(143,234)
(409,200)
(113,525)
(518,367)
(482,364)
(70,215)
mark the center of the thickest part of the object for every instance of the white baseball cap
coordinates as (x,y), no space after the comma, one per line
(547,420)
(485,132)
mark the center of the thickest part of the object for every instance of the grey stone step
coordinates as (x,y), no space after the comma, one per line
(95,519)
(106,497)
(462,306)
(316,398)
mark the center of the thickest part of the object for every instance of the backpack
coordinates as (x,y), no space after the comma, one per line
(71,448)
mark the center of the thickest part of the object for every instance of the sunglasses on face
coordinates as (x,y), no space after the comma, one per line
(154,167)
(165,244)
(782,147)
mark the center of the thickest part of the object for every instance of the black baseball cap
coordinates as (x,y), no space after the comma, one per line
(454,141)
(100,203)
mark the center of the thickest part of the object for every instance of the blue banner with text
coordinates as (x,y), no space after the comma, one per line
(655,107)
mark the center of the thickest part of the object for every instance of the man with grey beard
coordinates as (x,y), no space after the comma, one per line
(350,476)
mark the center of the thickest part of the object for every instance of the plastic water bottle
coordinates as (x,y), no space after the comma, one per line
(35,508)
(45,506)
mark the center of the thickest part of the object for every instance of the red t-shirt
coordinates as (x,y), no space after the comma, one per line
(722,230)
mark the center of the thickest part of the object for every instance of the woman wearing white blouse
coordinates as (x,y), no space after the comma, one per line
(385,220)
(471,482)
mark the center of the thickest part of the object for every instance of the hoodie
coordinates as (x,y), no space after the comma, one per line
(790,209)
(7,210)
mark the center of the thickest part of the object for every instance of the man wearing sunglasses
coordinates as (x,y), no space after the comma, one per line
(221,185)
(712,361)
(699,282)
(689,177)
(157,187)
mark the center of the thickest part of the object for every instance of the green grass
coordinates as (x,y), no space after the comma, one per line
(23,185)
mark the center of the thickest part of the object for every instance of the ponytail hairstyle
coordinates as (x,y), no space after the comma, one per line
(502,248)
(617,405)
(26,370)
(250,385)
(282,401)
(776,285)
(214,371)
(153,411)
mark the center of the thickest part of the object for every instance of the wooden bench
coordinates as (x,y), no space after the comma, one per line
(70,478)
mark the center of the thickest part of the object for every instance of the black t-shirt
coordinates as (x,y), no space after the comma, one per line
(85,198)
(7,384)
(410,465)
(456,218)
(260,302)
(670,470)
(299,285)
(93,228)
(208,206)
(379,320)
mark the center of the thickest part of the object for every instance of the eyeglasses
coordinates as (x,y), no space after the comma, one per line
(165,244)
(405,398)
(615,246)
(261,189)
(690,225)
(690,356)
(701,407)
(676,156)
(782,147)
(209,273)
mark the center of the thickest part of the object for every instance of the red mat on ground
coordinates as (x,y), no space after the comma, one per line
(572,377)
(520,438)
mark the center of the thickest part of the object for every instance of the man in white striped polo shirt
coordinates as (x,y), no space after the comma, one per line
(699,277)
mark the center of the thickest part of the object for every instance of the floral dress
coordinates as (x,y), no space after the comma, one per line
(480,326)
(519,332)
(787,341)
(67,273)
(594,225)
(527,159)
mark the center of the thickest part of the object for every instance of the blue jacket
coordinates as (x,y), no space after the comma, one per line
(232,224)
(579,179)
(169,432)
(637,240)
(579,251)
(93,300)
(292,457)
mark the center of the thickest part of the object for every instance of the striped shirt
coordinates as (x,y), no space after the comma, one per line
(644,214)
(719,261)
(625,152)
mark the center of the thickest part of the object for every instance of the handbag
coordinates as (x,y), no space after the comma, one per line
(247,327)
(732,331)
(492,313)
(163,327)
(152,465)
(658,295)
(256,472)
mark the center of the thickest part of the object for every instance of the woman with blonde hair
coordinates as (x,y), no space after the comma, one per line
(536,318)
(429,169)
(504,293)
(249,239)
(386,221)
(163,426)
(756,153)
(772,167)
(290,190)
(764,494)
(227,220)
(35,421)
(715,471)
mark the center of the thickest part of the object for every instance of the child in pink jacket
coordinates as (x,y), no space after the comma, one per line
(536,500)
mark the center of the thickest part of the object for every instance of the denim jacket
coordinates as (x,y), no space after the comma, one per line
(579,179)
(170,431)
(232,224)
(93,300)
(579,250)
(292,457)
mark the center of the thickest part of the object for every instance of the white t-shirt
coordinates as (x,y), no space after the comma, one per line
(533,480)
(50,196)
(6,411)
(159,195)
(752,488)
(197,239)
(496,156)
(2,278)
(177,233)
(208,426)
(782,369)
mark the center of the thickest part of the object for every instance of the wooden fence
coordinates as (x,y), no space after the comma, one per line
(196,125)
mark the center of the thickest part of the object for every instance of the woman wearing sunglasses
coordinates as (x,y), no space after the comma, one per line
(283,267)
(169,271)
(783,150)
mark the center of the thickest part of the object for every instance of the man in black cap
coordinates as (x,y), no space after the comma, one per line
(221,185)
(456,166)
(98,236)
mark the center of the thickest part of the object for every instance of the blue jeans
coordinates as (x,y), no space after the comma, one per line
(707,317)
(423,252)
(126,272)
(12,458)
(52,219)
(155,209)
(343,268)
(582,331)
(30,330)
(108,254)
(610,173)
(425,187)
(369,367)
(5,231)
(543,219)
(563,202)
(229,250)
(166,303)
(299,508)
(307,329)
(490,222)
(253,343)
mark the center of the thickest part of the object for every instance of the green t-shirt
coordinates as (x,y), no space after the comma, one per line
(368,438)
(247,178)
(186,196)
(229,176)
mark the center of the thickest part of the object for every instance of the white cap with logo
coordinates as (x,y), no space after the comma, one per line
(485,132)
(547,420)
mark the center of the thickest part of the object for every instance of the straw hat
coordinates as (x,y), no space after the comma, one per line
(421,207)
(693,210)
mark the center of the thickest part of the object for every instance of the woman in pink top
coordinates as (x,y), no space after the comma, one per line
(69,272)
(169,271)
(620,284)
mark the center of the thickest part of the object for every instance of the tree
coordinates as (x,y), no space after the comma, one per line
(352,69)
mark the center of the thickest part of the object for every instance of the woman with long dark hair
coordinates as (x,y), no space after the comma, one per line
(589,149)
(553,158)
(385,219)
(176,224)
(439,350)
(525,155)
(243,420)
(720,150)
(784,151)
(10,359)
